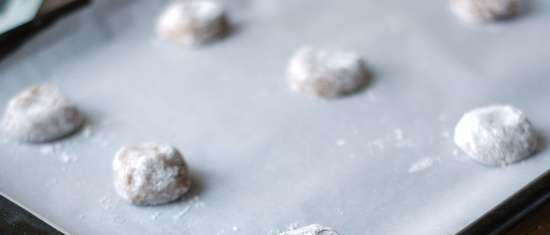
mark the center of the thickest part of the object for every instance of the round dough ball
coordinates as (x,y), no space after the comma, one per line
(496,135)
(39,114)
(479,11)
(150,174)
(322,73)
(314,229)
(192,23)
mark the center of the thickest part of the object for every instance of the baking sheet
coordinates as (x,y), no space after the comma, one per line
(263,158)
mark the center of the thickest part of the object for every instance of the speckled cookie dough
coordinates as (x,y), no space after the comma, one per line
(327,74)
(193,23)
(40,114)
(314,229)
(150,174)
(496,135)
(479,11)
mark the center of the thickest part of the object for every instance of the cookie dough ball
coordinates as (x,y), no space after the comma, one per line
(150,174)
(192,23)
(314,229)
(322,73)
(40,114)
(496,135)
(479,11)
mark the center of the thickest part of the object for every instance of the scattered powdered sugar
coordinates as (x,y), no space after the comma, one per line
(340,142)
(101,139)
(61,150)
(67,157)
(421,165)
(371,96)
(398,134)
(87,131)
(378,144)
(155,216)
(97,138)
(117,219)
(181,213)
(64,154)
(233,229)
(106,203)
(64,150)
(394,139)
(47,150)
(293,226)
(446,134)
(193,203)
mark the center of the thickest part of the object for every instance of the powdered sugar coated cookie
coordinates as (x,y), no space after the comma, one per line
(39,114)
(324,73)
(192,23)
(150,174)
(496,135)
(479,11)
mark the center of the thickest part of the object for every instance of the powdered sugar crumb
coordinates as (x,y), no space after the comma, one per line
(87,131)
(51,149)
(194,203)
(340,142)
(421,165)
(293,226)
(67,157)
(46,150)
(378,143)
(182,212)
(106,203)
(155,216)
(398,134)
